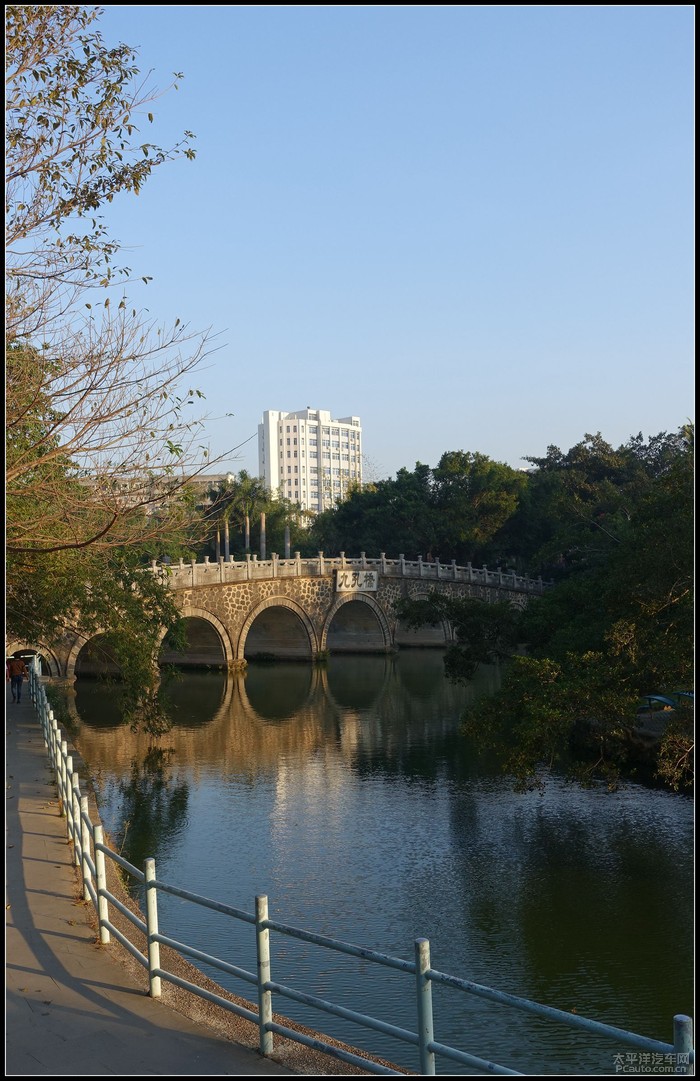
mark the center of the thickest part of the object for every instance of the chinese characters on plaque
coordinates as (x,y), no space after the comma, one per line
(356,581)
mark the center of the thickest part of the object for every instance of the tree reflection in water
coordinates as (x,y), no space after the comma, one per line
(155,805)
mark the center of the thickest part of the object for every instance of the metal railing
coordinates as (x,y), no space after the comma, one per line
(90,854)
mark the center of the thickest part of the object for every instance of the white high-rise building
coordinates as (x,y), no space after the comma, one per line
(308,457)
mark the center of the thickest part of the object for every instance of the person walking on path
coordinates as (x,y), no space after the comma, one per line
(16,674)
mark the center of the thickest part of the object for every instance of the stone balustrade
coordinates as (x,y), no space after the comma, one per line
(183,575)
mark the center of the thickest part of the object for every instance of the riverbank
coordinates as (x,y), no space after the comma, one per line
(75,1007)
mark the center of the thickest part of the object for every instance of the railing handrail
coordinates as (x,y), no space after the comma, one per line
(90,851)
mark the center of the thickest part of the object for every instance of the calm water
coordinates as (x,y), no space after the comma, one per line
(347,795)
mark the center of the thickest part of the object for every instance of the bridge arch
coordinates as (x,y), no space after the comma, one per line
(361,598)
(277,602)
(188,611)
(439,634)
(80,641)
(50,664)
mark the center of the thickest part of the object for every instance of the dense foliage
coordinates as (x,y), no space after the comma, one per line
(450,512)
(614,528)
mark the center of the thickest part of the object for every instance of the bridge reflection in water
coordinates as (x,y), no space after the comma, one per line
(346,794)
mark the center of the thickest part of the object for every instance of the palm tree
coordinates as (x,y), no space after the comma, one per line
(235,499)
(221,499)
(249,495)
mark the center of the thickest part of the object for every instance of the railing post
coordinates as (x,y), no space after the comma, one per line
(342,559)
(247,565)
(85,846)
(55,746)
(682,1043)
(149,868)
(262,941)
(61,772)
(382,557)
(454,570)
(363,560)
(437,568)
(76,835)
(297,557)
(101,872)
(275,568)
(470,571)
(402,564)
(420,566)
(321,565)
(424,991)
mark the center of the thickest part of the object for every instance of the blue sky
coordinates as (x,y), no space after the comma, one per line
(472,227)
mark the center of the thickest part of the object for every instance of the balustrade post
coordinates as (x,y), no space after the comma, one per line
(247,565)
(193,565)
(420,566)
(437,568)
(262,941)
(454,569)
(424,991)
(275,568)
(402,564)
(470,572)
(149,868)
(342,559)
(321,564)
(102,902)
(85,847)
(221,568)
(682,1043)
(363,560)
(297,557)
(382,557)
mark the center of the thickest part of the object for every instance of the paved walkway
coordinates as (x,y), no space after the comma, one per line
(71,1008)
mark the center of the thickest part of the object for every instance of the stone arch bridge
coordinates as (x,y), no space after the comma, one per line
(296,609)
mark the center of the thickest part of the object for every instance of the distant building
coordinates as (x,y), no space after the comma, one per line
(308,457)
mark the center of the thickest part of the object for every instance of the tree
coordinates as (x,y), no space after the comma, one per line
(618,625)
(475,497)
(484,633)
(93,390)
(100,441)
